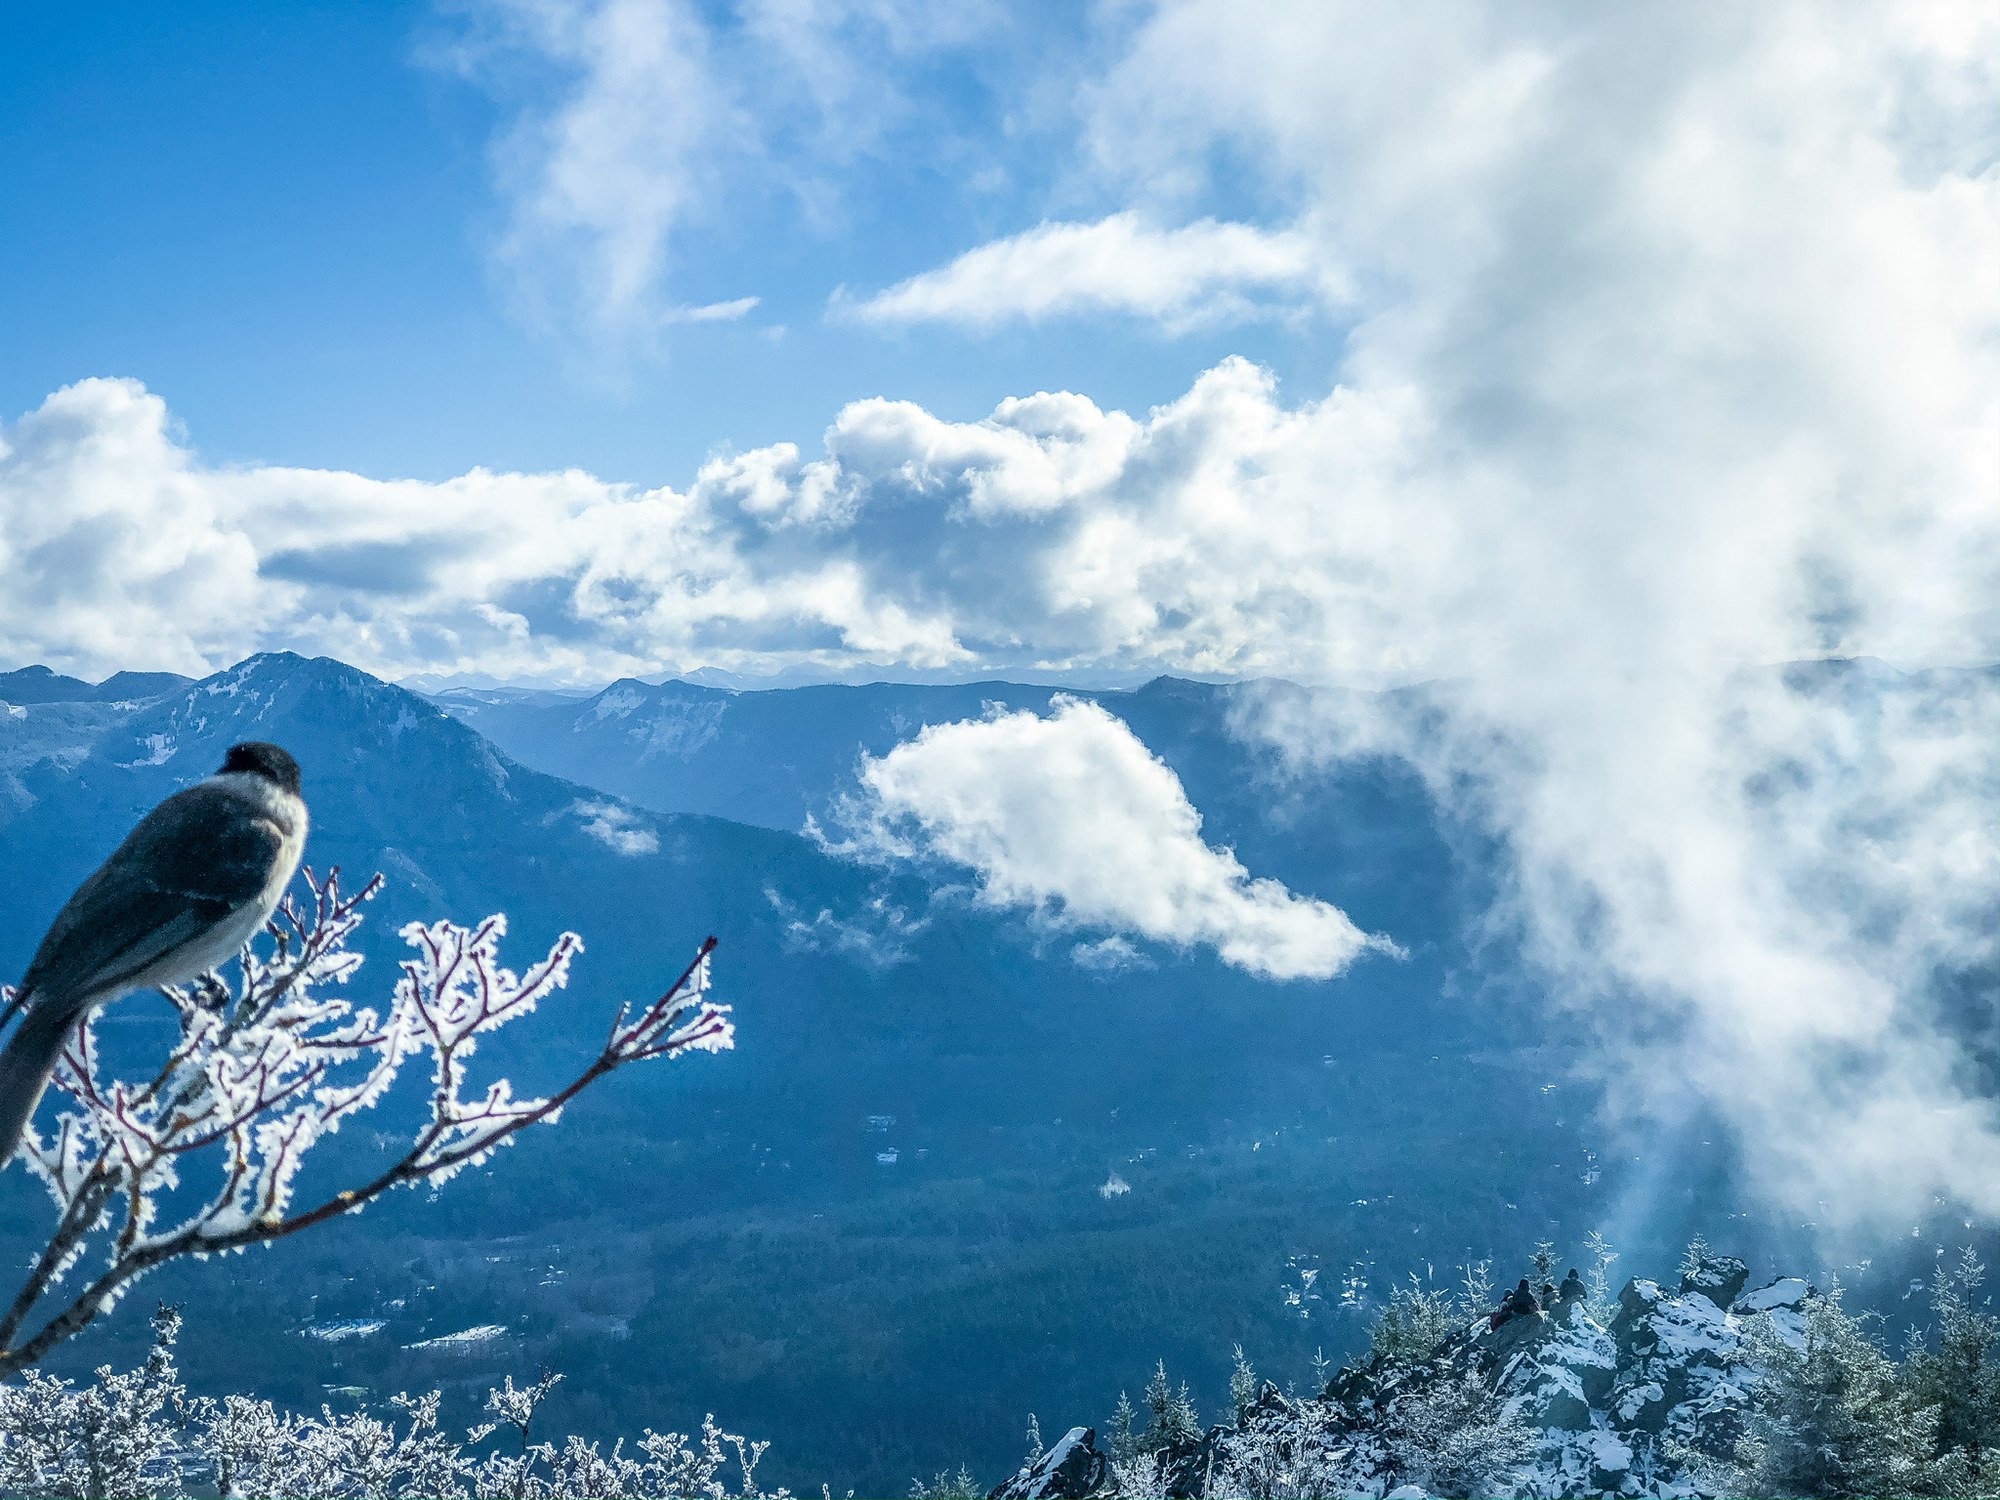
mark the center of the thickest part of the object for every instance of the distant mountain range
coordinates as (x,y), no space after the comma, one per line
(41,685)
(942,1148)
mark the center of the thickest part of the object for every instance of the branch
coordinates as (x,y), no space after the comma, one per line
(266,1071)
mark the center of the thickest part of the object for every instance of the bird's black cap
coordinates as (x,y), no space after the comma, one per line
(261,757)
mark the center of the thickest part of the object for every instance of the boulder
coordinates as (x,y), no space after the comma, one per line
(1560,1380)
(1786,1292)
(1720,1279)
(1070,1469)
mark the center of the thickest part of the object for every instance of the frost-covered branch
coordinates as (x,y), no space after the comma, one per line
(264,1071)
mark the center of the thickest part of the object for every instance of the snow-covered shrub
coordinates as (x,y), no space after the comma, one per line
(267,1068)
(141,1435)
(1300,1458)
(1452,1438)
(1140,1477)
(112,1439)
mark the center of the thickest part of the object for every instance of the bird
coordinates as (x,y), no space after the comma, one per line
(194,881)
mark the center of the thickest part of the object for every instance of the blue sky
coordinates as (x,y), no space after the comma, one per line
(284,219)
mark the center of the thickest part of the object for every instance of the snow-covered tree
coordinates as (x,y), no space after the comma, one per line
(1122,1433)
(1830,1415)
(1242,1384)
(1175,1423)
(1416,1321)
(1475,1288)
(1542,1265)
(948,1486)
(1960,1375)
(266,1068)
(1597,1281)
(1452,1438)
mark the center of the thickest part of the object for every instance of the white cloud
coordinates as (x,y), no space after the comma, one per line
(618,828)
(1110,955)
(1202,273)
(1072,817)
(632,125)
(876,934)
(602,169)
(718,312)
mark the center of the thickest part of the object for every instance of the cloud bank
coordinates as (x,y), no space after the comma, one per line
(1071,817)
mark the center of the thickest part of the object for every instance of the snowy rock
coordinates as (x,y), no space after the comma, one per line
(1070,1469)
(1720,1279)
(1614,1410)
(1782,1304)
(1562,1375)
(1786,1292)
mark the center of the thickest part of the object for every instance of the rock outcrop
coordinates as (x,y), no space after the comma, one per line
(1590,1408)
(1068,1470)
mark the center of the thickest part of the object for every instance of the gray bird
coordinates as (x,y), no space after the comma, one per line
(193,883)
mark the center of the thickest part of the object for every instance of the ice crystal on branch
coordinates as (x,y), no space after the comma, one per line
(263,1071)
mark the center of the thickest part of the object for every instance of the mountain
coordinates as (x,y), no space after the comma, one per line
(768,757)
(41,685)
(943,1156)
(1368,839)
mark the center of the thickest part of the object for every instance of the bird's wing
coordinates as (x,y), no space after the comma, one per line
(192,861)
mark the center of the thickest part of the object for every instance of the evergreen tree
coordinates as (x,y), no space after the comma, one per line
(1542,1265)
(1597,1298)
(1833,1416)
(1414,1323)
(1475,1298)
(1696,1258)
(1242,1386)
(1126,1442)
(1960,1378)
(1175,1422)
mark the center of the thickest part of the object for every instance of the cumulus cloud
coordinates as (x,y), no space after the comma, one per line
(1202,273)
(1073,818)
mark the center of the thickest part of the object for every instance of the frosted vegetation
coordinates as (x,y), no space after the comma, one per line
(204,1157)
(1803,1402)
(141,1434)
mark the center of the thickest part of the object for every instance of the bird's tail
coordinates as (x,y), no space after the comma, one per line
(25,1065)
